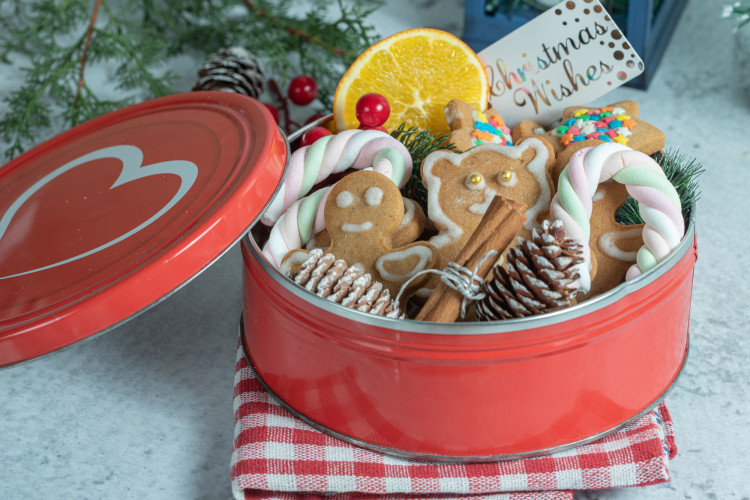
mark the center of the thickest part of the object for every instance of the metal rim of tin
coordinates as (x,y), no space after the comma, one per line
(445,458)
(487,327)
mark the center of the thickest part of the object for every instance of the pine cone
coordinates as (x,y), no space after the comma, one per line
(332,279)
(232,70)
(535,276)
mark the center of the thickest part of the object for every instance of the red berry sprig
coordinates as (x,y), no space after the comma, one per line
(313,135)
(302,91)
(372,111)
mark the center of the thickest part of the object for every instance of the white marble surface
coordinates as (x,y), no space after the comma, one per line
(145,411)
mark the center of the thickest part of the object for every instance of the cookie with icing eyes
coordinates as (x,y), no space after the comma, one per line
(363,214)
(412,226)
(472,128)
(461,186)
(617,122)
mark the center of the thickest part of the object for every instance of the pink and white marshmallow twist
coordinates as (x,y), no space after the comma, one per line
(658,203)
(356,149)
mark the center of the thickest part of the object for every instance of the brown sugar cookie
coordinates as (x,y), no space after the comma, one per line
(460,187)
(363,214)
(412,226)
(562,159)
(618,122)
(613,246)
(471,127)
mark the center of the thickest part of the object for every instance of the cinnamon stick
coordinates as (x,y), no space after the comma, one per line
(499,226)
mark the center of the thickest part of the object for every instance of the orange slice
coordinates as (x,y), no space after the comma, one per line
(418,71)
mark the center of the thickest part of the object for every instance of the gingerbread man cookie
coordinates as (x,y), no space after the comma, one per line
(471,128)
(362,215)
(412,226)
(617,122)
(614,247)
(460,187)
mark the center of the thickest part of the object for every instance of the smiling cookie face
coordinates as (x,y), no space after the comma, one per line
(363,206)
(461,186)
(365,218)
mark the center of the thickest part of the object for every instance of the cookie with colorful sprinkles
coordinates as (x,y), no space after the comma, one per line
(618,122)
(471,127)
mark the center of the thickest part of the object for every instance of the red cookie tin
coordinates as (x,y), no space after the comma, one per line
(111,216)
(108,218)
(470,391)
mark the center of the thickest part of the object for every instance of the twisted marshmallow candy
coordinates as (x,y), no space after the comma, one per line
(358,149)
(304,216)
(658,202)
(295,227)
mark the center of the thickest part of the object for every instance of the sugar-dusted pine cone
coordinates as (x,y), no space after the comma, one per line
(232,70)
(332,279)
(534,278)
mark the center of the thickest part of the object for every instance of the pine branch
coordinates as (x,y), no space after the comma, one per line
(740,11)
(254,9)
(683,172)
(65,39)
(420,144)
(84,53)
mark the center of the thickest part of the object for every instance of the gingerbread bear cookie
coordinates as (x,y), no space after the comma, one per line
(471,128)
(617,122)
(363,213)
(460,187)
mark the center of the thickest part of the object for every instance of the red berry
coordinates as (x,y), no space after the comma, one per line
(315,117)
(273,110)
(313,135)
(372,110)
(303,90)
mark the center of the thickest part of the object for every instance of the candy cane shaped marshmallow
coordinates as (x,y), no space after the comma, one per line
(658,202)
(296,226)
(357,149)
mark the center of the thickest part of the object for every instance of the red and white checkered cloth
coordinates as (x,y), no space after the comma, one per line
(277,456)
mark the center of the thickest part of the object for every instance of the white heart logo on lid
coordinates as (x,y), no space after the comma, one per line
(132,169)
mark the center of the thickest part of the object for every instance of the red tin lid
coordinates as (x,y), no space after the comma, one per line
(107,218)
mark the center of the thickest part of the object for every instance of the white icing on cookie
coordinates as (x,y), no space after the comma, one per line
(356,228)
(452,113)
(608,246)
(423,252)
(481,208)
(344,199)
(408,212)
(450,230)
(297,257)
(374,196)
(512,182)
(599,195)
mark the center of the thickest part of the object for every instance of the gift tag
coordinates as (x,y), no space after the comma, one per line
(569,55)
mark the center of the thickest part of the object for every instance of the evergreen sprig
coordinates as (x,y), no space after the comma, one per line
(740,11)
(134,41)
(420,144)
(683,172)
